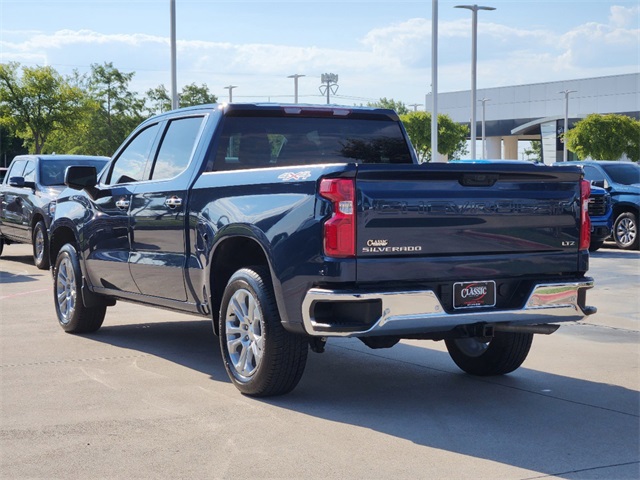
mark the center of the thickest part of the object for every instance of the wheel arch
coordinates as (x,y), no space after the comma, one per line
(35,218)
(231,253)
(60,236)
(622,207)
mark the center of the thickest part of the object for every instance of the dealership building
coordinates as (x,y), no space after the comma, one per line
(537,111)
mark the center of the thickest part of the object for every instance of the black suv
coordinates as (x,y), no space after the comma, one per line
(27,196)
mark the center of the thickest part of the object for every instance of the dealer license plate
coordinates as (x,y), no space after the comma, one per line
(474,294)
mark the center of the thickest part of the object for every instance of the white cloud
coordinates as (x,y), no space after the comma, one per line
(391,61)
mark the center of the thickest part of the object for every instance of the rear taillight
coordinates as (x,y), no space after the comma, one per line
(585,221)
(340,229)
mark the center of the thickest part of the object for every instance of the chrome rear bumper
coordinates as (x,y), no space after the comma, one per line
(415,312)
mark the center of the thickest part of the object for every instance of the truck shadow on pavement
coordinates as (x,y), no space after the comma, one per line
(9,265)
(531,419)
(190,343)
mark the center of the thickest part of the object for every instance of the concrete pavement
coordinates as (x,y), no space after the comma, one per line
(147,397)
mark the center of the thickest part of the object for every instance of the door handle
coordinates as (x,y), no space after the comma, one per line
(122,204)
(173,202)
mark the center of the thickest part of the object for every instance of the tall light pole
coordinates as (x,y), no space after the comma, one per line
(434,81)
(566,122)
(474,60)
(295,77)
(174,81)
(484,132)
(230,88)
(415,106)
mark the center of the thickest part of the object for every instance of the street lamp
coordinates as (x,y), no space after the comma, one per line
(566,122)
(174,87)
(230,88)
(295,77)
(434,81)
(474,60)
(484,132)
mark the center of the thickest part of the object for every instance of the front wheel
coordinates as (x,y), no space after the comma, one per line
(260,356)
(73,316)
(498,355)
(625,231)
(40,246)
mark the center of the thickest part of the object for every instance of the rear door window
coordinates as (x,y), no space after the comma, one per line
(177,148)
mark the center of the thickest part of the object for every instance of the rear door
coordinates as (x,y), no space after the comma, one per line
(158,213)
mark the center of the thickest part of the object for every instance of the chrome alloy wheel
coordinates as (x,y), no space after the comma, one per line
(471,346)
(626,231)
(39,245)
(244,327)
(66,293)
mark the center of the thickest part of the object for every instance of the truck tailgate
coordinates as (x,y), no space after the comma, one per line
(439,211)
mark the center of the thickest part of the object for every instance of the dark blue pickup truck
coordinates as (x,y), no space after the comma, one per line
(290,224)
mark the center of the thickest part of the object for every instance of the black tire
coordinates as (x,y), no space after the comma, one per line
(40,240)
(594,246)
(502,354)
(1,245)
(73,316)
(625,231)
(260,356)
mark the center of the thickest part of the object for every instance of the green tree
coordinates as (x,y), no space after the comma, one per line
(159,99)
(605,137)
(37,103)
(398,106)
(10,146)
(534,152)
(193,94)
(451,135)
(119,110)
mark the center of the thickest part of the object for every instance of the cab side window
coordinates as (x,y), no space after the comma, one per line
(592,173)
(176,148)
(131,163)
(16,170)
(30,171)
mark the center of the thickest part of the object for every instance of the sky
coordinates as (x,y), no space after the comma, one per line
(377,48)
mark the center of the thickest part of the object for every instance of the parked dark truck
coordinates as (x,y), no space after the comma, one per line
(288,224)
(27,197)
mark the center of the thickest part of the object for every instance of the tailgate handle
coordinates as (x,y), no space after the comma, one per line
(478,179)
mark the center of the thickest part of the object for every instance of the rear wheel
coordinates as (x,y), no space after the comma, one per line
(73,316)
(260,356)
(498,355)
(625,231)
(40,240)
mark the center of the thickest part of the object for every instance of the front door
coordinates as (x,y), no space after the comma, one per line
(107,238)
(11,202)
